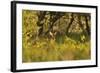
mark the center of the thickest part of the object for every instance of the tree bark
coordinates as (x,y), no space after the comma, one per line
(70,23)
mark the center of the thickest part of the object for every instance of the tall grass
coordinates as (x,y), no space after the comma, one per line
(49,50)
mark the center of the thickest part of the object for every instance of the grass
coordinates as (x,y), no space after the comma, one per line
(49,50)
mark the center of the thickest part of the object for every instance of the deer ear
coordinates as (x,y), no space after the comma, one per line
(55,33)
(50,33)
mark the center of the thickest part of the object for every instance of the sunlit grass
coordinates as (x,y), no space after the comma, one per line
(50,50)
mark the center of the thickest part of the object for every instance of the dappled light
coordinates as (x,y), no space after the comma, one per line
(55,36)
